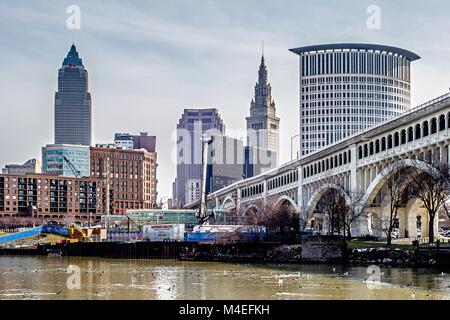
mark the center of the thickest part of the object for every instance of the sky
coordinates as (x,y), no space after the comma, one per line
(148,60)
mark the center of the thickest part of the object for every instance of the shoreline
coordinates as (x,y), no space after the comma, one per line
(254,253)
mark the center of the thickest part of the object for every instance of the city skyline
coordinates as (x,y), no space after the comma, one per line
(171,84)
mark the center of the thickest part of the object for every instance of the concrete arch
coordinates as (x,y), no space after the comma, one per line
(251,206)
(379,180)
(226,202)
(289,199)
(312,202)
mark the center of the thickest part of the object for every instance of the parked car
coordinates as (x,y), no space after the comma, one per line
(395,234)
(445,233)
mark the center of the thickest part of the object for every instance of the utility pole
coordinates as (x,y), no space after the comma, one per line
(292,140)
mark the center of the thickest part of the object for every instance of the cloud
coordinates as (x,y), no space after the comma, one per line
(148,60)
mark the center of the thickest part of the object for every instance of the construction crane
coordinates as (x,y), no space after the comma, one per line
(203,216)
(75,171)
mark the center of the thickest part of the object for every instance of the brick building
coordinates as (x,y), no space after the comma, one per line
(51,197)
(131,175)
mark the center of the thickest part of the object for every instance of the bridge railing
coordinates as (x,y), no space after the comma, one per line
(427,104)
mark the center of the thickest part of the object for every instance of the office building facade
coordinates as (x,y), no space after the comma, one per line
(31,166)
(54,155)
(190,128)
(130,176)
(257,161)
(135,142)
(73,105)
(347,88)
(49,196)
(225,162)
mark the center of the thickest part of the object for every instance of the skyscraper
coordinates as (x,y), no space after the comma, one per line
(73,106)
(193,123)
(349,87)
(263,126)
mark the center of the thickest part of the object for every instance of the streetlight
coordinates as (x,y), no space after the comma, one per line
(292,140)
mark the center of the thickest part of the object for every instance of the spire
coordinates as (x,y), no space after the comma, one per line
(262,79)
(263,62)
(72,59)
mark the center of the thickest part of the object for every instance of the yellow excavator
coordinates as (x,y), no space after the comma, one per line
(76,233)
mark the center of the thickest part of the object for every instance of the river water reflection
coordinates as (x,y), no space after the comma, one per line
(46,278)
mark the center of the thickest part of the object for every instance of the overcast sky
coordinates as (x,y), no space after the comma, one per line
(148,60)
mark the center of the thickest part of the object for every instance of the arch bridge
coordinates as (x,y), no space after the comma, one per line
(357,164)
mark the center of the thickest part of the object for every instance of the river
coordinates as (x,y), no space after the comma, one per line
(48,278)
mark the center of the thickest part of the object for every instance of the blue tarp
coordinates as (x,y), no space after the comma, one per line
(58,230)
(214,236)
(20,235)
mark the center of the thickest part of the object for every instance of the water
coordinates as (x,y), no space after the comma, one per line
(46,278)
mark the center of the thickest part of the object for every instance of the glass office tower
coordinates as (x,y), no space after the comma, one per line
(73,106)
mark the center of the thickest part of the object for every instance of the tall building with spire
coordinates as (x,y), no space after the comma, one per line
(73,105)
(263,126)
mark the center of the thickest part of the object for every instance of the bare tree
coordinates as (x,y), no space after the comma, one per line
(343,210)
(332,204)
(303,218)
(433,189)
(276,218)
(354,210)
(393,187)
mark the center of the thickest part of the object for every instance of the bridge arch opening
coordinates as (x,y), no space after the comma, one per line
(228,203)
(288,202)
(323,219)
(410,207)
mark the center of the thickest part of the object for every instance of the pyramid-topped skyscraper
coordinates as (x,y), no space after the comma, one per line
(73,105)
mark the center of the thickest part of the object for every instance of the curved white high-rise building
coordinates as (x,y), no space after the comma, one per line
(349,87)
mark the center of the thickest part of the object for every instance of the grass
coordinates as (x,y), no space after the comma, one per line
(364,244)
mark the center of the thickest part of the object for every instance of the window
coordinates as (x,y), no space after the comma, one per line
(425,128)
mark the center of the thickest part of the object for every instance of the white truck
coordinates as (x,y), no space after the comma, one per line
(164,232)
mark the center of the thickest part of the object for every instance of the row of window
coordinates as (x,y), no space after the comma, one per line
(253,190)
(356,80)
(327,164)
(353,87)
(406,135)
(355,62)
(285,179)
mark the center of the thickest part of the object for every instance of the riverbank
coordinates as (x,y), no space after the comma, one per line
(316,251)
